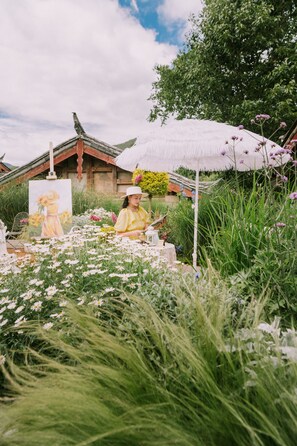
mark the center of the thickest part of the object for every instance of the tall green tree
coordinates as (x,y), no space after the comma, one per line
(239,60)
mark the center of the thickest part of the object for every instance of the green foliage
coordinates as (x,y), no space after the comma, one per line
(239,60)
(151,380)
(153,183)
(13,199)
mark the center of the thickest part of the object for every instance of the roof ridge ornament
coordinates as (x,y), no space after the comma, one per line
(77,125)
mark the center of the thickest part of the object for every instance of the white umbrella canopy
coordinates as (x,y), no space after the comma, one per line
(201,145)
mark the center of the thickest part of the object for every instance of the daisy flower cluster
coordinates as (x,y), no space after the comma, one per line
(86,267)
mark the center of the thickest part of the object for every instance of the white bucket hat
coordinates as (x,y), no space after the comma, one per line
(134,190)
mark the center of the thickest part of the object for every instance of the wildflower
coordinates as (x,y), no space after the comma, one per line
(19,309)
(293,196)
(36,306)
(283,125)
(114,217)
(51,291)
(263,117)
(137,180)
(95,218)
(48,325)
(2,359)
(294,162)
(280,224)
(3,322)
(284,179)
(11,306)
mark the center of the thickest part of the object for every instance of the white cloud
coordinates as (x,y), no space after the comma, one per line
(175,13)
(60,56)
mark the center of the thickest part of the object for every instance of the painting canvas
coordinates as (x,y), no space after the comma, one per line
(50,208)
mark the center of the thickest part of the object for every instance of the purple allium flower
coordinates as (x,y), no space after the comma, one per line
(284,179)
(280,224)
(283,125)
(293,196)
(223,152)
(240,127)
(246,152)
(263,117)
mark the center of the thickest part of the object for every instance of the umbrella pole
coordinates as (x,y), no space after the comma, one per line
(196,220)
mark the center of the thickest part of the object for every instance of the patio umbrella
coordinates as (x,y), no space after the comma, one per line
(200,145)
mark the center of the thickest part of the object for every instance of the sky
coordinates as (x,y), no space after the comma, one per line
(92,57)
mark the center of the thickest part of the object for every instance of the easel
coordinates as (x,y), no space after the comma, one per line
(52,174)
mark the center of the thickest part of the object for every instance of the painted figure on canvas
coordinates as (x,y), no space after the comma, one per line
(51,226)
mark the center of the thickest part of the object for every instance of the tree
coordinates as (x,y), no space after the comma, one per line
(239,60)
(153,183)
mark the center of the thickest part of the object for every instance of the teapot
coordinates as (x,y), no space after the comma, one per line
(152,237)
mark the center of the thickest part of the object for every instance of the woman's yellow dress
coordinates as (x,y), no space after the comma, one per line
(129,220)
(51,226)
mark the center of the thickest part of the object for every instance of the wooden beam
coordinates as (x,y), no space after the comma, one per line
(99,155)
(45,166)
(80,153)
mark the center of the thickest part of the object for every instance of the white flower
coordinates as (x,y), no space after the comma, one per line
(63,303)
(2,359)
(81,301)
(11,306)
(109,290)
(290,353)
(97,302)
(37,306)
(51,290)
(3,322)
(19,309)
(48,325)
(4,290)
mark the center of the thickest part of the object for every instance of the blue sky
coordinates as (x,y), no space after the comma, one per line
(92,57)
(147,14)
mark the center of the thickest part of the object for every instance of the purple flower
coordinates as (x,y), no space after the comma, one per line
(283,125)
(240,127)
(138,178)
(280,151)
(223,152)
(284,179)
(293,196)
(294,162)
(279,224)
(263,117)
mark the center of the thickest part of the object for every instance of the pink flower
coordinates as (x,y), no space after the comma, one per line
(293,196)
(95,218)
(138,178)
(114,217)
(280,224)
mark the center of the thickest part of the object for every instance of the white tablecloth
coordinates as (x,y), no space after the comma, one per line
(167,251)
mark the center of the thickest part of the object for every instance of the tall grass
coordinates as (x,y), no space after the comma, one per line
(153,381)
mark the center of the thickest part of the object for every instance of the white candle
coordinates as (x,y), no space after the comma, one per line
(51,153)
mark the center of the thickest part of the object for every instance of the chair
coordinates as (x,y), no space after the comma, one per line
(19,222)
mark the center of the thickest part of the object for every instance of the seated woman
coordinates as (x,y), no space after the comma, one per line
(133,219)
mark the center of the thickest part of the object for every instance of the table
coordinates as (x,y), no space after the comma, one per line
(167,252)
